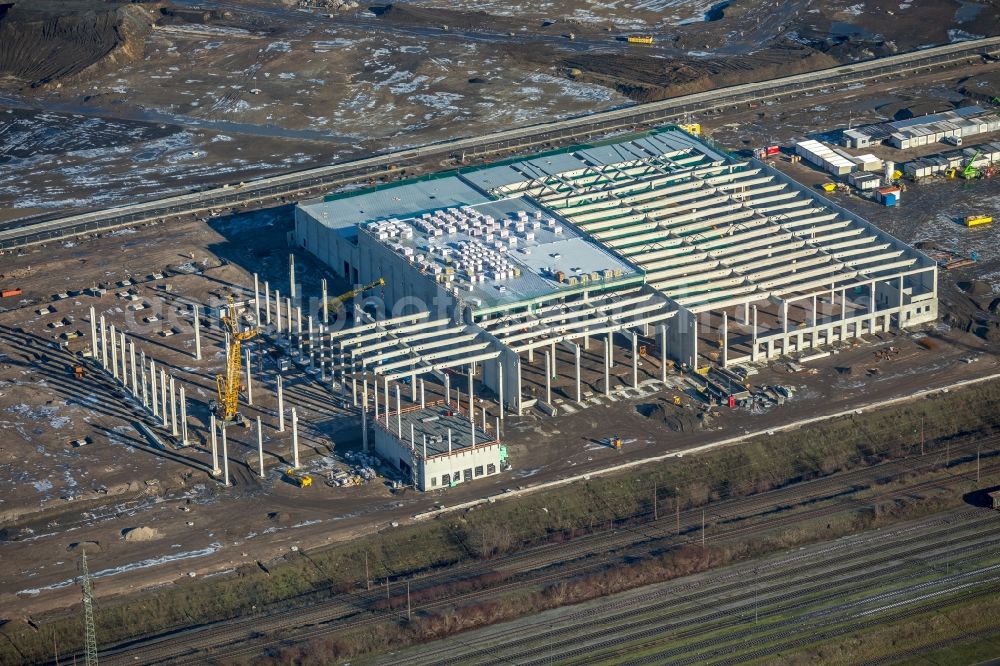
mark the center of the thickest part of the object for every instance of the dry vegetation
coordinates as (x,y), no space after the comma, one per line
(489,531)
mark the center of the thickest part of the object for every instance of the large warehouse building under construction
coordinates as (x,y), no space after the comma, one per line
(662,243)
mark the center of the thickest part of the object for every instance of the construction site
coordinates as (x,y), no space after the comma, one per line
(223,390)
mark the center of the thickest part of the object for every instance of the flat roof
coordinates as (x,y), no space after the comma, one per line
(498,252)
(434,422)
(404,199)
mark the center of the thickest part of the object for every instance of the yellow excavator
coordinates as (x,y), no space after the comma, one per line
(336,303)
(227,408)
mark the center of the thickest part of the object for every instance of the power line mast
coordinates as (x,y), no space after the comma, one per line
(88,613)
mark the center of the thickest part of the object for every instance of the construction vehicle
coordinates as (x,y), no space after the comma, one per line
(829,187)
(640,39)
(677,400)
(970,172)
(78,371)
(616,442)
(336,303)
(228,385)
(298,478)
(691,128)
(977,220)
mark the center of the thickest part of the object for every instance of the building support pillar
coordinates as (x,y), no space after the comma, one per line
(548,377)
(663,353)
(184,418)
(225,457)
(607,365)
(281,406)
(260,448)
(725,338)
(215,445)
(635,358)
(295,439)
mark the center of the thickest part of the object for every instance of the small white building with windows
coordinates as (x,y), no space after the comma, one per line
(437,447)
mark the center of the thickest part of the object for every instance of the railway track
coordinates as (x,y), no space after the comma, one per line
(585,555)
(266,192)
(652,615)
(721,602)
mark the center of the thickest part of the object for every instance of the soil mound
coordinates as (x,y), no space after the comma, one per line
(44,41)
(142,534)
(675,419)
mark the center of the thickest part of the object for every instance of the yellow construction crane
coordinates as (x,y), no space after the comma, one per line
(228,386)
(338,302)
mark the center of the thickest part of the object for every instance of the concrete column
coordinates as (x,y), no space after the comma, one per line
(324,301)
(197,333)
(413,388)
(548,377)
(290,312)
(114,351)
(576,362)
(152,387)
(609,351)
(607,365)
(472,398)
(635,359)
(225,458)
(399,415)
(93,334)
(124,350)
(295,439)
(500,385)
(173,408)
(413,437)
(135,381)
(163,396)
(256,300)
(386,386)
(814,313)
(423,398)
(663,353)
(142,380)
(871,307)
(519,398)
(104,344)
(531,354)
(725,339)
(281,406)
(375,392)
(260,448)
(291,277)
(552,352)
(298,325)
(312,342)
(843,314)
(184,419)
(277,311)
(267,301)
(321,335)
(215,445)
(249,384)
(784,317)
(364,419)
(447,389)
(753,336)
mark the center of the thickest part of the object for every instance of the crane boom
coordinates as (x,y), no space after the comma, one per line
(228,385)
(338,301)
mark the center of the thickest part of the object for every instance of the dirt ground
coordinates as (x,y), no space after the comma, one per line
(202,92)
(185,114)
(61,496)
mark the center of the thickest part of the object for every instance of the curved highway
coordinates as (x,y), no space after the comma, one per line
(268,191)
